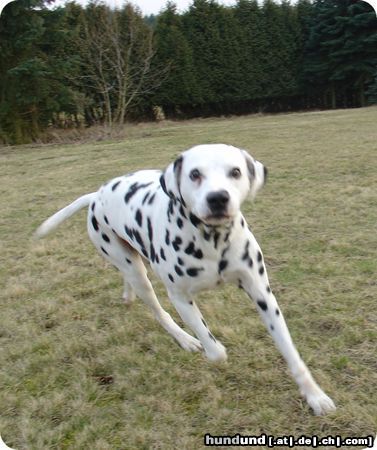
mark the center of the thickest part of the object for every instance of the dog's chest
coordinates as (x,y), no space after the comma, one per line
(188,263)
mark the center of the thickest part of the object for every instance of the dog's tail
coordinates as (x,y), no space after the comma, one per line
(59,217)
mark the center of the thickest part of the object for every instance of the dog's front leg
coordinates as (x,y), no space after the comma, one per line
(254,281)
(193,318)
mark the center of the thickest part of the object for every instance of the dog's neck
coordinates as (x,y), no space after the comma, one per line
(216,236)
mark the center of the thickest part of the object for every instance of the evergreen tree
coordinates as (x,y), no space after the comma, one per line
(211,33)
(342,51)
(372,91)
(23,70)
(279,50)
(174,53)
(249,35)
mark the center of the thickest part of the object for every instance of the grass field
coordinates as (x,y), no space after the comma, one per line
(79,370)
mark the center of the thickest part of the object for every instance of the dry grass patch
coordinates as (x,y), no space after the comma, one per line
(80,370)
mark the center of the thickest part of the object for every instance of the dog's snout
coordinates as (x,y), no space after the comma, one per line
(218,200)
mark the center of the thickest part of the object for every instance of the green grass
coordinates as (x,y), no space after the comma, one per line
(79,370)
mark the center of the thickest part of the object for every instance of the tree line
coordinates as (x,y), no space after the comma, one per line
(76,66)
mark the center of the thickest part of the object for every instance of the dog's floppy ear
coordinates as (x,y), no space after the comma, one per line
(257,173)
(171,177)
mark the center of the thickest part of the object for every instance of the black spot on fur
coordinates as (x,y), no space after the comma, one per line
(152,253)
(176,243)
(139,218)
(216,238)
(106,220)
(223,253)
(262,305)
(261,270)
(129,261)
(115,185)
(207,236)
(151,200)
(246,256)
(167,237)
(170,209)
(198,254)
(178,270)
(171,278)
(272,327)
(162,254)
(145,198)
(259,256)
(180,261)
(268,289)
(104,251)
(129,232)
(194,271)
(211,336)
(189,250)
(182,212)
(246,251)
(95,223)
(222,265)
(93,206)
(150,229)
(138,238)
(180,223)
(163,184)
(242,222)
(194,220)
(105,237)
(204,323)
(133,189)
(277,312)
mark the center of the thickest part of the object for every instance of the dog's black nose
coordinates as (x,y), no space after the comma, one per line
(218,201)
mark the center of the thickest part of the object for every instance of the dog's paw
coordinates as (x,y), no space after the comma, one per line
(189,343)
(320,403)
(217,353)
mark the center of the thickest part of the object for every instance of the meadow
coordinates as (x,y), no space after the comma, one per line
(80,370)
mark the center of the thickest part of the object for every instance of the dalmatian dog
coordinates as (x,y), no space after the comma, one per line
(186,222)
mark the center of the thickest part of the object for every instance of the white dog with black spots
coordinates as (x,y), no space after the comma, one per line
(187,223)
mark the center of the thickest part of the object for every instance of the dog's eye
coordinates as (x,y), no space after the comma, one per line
(235,173)
(195,175)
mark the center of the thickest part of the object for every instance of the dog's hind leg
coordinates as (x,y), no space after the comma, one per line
(130,264)
(144,290)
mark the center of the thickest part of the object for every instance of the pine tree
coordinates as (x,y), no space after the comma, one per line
(250,37)
(23,69)
(342,51)
(174,53)
(279,49)
(210,30)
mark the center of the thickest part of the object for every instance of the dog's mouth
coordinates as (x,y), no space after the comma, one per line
(217,219)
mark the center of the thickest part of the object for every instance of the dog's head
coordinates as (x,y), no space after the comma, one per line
(213,180)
